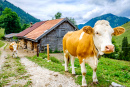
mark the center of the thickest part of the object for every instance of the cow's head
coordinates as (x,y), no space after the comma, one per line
(102,35)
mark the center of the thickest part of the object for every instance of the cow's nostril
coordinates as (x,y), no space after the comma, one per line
(107,47)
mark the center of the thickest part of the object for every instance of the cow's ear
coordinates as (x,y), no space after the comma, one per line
(118,31)
(88,29)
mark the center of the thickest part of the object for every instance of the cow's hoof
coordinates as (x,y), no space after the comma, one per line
(84,86)
(73,74)
(66,71)
(95,83)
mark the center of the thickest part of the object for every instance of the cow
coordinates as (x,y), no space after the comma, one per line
(87,44)
(14,47)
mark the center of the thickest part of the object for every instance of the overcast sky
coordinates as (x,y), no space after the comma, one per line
(81,10)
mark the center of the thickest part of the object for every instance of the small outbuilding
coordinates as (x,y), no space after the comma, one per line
(46,32)
(9,37)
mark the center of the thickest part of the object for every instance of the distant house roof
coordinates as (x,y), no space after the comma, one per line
(10,35)
(31,28)
(46,26)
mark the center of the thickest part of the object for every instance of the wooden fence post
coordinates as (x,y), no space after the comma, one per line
(48,52)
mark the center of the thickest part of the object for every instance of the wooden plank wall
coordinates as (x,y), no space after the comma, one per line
(54,38)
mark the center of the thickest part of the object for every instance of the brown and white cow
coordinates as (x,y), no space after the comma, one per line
(87,43)
(14,47)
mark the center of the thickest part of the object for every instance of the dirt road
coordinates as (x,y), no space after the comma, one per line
(40,76)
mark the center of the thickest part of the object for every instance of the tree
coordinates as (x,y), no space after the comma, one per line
(125,49)
(1,9)
(73,21)
(10,21)
(58,15)
(24,27)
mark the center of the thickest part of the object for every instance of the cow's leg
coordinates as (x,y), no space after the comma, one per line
(16,54)
(93,64)
(13,54)
(66,58)
(72,64)
(83,71)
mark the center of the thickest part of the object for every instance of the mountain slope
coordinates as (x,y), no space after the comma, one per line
(113,19)
(126,34)
(24,17)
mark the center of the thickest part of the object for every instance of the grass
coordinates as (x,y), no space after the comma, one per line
(6,46)
(12,69)
(1,32)
(108,70)
(54,65)
(1,43)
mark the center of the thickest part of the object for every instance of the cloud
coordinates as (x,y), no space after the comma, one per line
(81,10)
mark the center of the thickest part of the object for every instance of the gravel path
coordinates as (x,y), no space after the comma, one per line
(42,77)
(3,55)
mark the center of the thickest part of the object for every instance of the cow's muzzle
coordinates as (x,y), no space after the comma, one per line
(109,49)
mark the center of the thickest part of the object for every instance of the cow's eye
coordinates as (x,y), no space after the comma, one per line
(97,33)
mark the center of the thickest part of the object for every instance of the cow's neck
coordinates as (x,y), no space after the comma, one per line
(98,55)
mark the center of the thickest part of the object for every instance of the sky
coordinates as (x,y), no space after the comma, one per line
(81,10)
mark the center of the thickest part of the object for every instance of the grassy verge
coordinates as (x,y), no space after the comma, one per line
(1,43)
(6,46)
(109,70)
(12,70)
(2,32)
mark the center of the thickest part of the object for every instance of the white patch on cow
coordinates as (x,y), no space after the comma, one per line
(83,70)
(66,60)
(93,62)
(81,35)
(72,64)
(94,77)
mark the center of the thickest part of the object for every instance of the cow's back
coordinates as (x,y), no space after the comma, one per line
(70,42)
(79,45)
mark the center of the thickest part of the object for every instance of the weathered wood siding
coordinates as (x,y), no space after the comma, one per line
(54,38)
(35,46)
(21,41)
(29,45)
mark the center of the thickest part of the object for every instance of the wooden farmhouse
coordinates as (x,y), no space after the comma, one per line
(46,32)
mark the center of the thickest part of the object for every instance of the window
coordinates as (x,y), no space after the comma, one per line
(62,32)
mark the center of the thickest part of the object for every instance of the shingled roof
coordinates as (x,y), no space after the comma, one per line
(31,28)
(10,35)
(44,27)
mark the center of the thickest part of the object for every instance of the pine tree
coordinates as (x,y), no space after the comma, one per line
(125,48)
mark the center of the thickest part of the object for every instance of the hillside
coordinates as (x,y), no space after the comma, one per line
(24,17)
(126,34)
(113,19)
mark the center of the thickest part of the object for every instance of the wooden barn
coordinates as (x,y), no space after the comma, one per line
(46,32)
